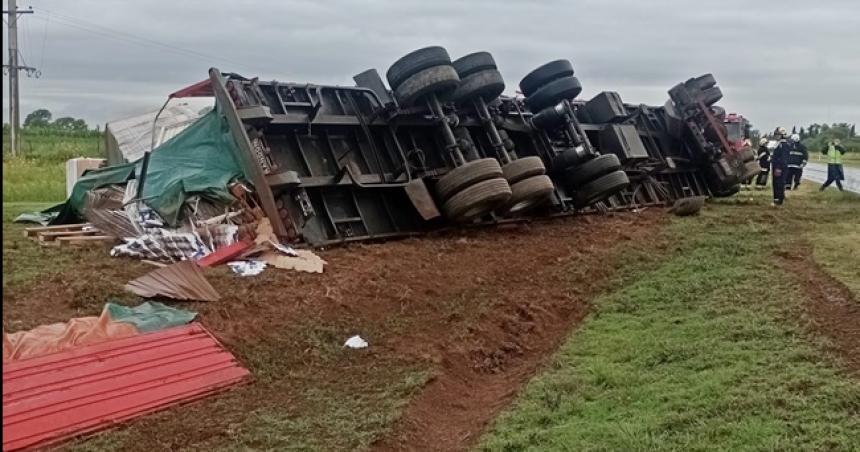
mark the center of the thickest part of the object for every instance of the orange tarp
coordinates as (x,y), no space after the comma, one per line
(62,336)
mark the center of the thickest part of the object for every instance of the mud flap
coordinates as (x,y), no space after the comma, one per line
(422,200)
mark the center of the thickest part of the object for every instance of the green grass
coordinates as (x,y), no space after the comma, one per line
(835,247)
(22,261)
(38,174)
(699,350)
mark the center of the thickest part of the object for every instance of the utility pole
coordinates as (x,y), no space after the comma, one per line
(12,68)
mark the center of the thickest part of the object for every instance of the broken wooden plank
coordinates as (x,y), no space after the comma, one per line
(33,231)
(85,240)
(51,236)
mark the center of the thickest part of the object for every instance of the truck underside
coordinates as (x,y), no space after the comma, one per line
(443,147)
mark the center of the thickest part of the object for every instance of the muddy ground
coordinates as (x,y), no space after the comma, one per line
(478,311)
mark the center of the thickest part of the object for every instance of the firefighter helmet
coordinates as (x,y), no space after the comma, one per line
(762,142)
(795,137)
(781,132)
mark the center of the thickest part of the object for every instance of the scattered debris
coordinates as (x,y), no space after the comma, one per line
(688,206)
(69,393)
(35,231)
(302,260)
(180,281)
(114,322)
(224,254)
(356,342)
(247,268)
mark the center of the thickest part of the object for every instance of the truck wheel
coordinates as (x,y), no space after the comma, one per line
(751,169)
(704,82)
(601,188)
(433,80)
(529,193)
(466,175)
(523,168)
(477,200)
(553,93)
(414,62)
(545,74)
(592,169)
(474,62)
(711,96)
(485,84)
(566,159)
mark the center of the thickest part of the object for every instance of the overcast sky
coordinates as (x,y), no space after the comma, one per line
(778,62)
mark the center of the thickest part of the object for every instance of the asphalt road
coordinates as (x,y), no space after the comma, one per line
(817,172)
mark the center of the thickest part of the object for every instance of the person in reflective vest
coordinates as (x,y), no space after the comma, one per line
(779,164)
(834,151)
(796,161)
(764,162)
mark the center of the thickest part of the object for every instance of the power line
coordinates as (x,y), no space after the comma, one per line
(44,41)
(94,28)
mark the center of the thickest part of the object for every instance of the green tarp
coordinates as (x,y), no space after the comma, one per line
(201,160)
(150,316)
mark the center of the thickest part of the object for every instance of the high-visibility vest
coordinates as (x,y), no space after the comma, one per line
(834,157)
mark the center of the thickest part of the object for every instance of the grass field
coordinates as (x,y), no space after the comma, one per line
(38,174)
(702,346)
(701,349)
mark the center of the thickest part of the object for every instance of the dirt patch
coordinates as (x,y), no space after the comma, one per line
(832,309)
(479,310)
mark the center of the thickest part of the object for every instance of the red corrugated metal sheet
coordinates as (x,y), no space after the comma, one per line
(57,396)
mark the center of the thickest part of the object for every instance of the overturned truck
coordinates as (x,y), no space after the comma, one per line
(442,145)
(439,145)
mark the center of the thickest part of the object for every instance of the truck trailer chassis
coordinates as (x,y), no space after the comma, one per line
(336,164)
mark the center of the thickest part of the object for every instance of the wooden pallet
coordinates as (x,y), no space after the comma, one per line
(68,235)
(35,231)
(86,240)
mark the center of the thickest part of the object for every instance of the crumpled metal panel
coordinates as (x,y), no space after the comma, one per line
(61,395)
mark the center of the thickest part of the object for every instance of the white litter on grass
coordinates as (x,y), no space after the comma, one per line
(288,250)
(356,342)
(247,268)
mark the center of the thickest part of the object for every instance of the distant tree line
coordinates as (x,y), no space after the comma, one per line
(42,122)
(816,136)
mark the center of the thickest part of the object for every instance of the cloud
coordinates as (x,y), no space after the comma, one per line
(778,62)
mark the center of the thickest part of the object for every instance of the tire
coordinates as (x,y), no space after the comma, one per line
(566,159)
(751,169)
(487,85)
(523,168)
(466,175)
(545,74)
(711,96)
(529,193)
(592,169)
(477,200)
(554,92)
(601,188)
(704,82)
(747,155)
(690,205)
(433,80)
(474,62)
(416,61)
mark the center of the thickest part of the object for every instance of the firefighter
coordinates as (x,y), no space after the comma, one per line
(747,147)
(763,162)
(834,151)
(778,165)
(796,161)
